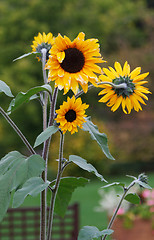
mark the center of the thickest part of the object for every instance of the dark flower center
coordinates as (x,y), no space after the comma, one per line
(70,116)
(124,91)
(74,60)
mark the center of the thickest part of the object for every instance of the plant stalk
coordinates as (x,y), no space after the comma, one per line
(119,205)
(43,207)
(122,85)
(55,190)
(17,130)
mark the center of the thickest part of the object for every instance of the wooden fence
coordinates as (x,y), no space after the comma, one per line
(24,224)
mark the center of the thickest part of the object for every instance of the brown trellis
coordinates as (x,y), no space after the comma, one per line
(24,224)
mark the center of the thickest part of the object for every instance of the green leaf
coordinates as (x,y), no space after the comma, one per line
(24,55)
(91,232)
(32,166)
(113,184)
(142,184)
(101,138)
(15,170)
(32,186)
(132,198)
(82,163)
(45,135)
(5,89)
(7,161)
(5,188)
(21,167)
(65,190)
(25,97)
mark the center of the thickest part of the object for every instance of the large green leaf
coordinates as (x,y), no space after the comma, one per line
(22,167)
(5,89)
(82,163)
(15,170)
(132,198)
(25,97)
(65,190)
(45,135)
(33,186)
(32,166)
(5,189)
(101,138)
(8,160)
(91,232)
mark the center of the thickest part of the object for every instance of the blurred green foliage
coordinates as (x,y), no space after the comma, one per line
(124,30)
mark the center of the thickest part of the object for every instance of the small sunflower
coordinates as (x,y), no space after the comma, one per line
(42,41)
(129,97)
(73,63)
(71,114)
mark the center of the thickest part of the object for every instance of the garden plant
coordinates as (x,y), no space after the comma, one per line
(75,68)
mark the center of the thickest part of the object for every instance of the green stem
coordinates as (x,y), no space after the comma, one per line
(43,210)
(119,205)
(51,119)
(122,85)
(55,190)
(45,154)
(17,130)
(44,52)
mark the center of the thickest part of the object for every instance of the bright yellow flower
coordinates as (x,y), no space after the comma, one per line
(73,63)
(129,97)
(71,114)
(42,41)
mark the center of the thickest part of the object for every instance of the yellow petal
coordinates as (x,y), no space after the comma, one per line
(108,73)
(141,94)
(126,69)
(140,83)
(74,86)
(105,78)
(135,72)
(81,36)
(114,72)
(128,105)
(107,96)
(84,87)
(135,103)
(117,104)
(140,77)
(112,100)
(124,105)
(60,56)
(118,68)
(139,98)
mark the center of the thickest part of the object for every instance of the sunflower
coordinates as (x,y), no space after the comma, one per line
(71,114)
(129,97)
(73,63)
(42,41)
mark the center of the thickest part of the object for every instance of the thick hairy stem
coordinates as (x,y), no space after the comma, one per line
(51,119)
(54,192)
(119,205)
(44,52)
(43,210)
(17,130)
(122,85)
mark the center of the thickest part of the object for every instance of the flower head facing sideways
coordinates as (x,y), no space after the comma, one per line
(42,41)
(130,96)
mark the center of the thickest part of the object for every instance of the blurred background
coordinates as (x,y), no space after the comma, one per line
(125,30)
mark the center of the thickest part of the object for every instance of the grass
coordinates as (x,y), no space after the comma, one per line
(88,198)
